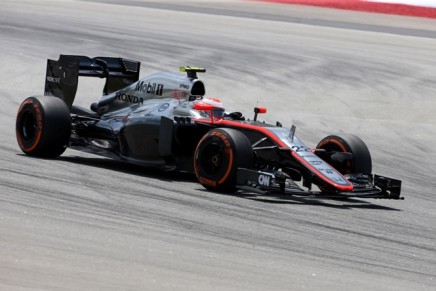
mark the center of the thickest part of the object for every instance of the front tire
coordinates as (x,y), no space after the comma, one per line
(360,163)
(43,126)
(218,156)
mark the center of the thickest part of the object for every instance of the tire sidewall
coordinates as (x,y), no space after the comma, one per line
(51,127)
(30,107)
(220,178)
(361,162)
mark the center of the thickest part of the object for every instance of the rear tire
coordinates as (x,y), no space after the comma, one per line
(43,126)
(218,156)
(361,161)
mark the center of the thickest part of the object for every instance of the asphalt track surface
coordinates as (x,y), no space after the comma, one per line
(82,222)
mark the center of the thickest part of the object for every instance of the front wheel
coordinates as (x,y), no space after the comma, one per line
(43,126)
(218,156)
(360,162)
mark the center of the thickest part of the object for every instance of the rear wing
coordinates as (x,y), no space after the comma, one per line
(63,75)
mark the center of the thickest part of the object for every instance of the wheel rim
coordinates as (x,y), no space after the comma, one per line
(212,161)
(28,126)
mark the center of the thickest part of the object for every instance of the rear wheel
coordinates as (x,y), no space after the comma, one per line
(218,156)
(360,161)
(43,126)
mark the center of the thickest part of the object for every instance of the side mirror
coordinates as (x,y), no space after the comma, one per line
(258,110)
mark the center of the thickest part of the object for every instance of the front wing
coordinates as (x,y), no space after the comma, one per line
(365,186)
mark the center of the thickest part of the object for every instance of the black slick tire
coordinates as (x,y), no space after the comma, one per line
(43,126)
(217,157)
(360,163)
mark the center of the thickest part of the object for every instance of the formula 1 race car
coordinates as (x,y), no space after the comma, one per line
(164,120)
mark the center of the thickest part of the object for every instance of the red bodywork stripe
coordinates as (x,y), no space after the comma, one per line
(230,123)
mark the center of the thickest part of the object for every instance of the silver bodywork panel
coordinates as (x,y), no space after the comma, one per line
(152,90)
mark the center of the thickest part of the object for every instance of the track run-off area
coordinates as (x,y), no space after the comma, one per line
(419,8)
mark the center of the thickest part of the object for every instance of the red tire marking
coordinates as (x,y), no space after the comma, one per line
(39,127)
(228,150)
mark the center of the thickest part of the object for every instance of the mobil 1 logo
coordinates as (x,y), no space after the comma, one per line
(149,88)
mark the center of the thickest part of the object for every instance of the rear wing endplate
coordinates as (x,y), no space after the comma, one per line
(62,75)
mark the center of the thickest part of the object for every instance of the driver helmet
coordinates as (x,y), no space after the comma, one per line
(218,107)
